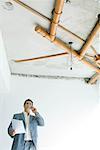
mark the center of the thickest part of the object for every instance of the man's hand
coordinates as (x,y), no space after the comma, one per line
(34,110)
(13,132)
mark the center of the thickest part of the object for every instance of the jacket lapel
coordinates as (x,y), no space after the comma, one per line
(23,118)
(31,118)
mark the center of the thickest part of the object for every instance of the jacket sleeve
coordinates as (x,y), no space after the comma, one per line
(39,119)
(10,129)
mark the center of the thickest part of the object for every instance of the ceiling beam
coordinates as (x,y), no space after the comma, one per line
(41,57)
(66,47)
(90,38)
(94,78)
(70,33)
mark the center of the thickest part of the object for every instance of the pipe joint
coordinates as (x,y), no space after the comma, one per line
(52,37)
(57,13)
(53,22)
(80,58)
(53,34)
(38,29)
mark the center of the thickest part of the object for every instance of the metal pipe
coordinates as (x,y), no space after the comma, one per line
(66,47)
(57,13)
(41,57)
(34,12)
(90,38)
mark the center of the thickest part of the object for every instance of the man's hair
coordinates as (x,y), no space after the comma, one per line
(28,100)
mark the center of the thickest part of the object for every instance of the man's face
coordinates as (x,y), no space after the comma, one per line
(28,105)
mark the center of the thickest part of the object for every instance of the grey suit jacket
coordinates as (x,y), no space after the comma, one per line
(18,139)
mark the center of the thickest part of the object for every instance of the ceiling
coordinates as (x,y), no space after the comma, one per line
(23,42)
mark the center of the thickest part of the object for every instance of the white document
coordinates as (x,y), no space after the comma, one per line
(18,126)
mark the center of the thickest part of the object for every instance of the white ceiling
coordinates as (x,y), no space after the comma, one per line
(21,40)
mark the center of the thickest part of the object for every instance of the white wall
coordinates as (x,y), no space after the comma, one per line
(70,108)
(4,68)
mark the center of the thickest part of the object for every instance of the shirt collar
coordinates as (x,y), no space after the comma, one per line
(31,113)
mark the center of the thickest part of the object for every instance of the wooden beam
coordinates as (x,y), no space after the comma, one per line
(66,47)
(94,78)
(90,38)
(41,57)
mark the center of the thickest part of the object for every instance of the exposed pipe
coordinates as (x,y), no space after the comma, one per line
(41,57)
(34,12)
(98,58)
(98,61)
(94,61)
(94,78)
(95,52)
(89,56)
(57,13)
(66,47)
(90,38)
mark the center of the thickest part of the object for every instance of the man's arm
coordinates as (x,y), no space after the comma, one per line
(39,119)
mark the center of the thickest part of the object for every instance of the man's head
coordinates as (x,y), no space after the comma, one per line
(28,104)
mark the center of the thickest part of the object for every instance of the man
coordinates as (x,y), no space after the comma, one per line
(27,140)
